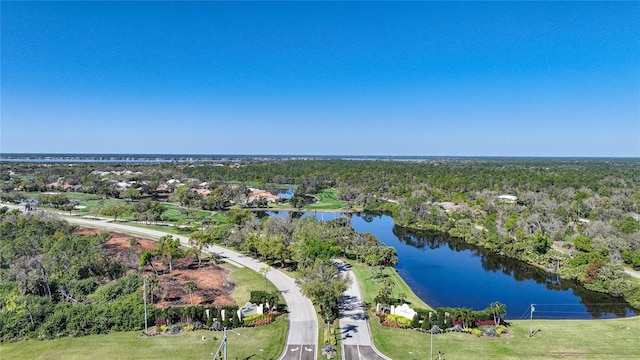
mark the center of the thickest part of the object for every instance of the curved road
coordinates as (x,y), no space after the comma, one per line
(302,339)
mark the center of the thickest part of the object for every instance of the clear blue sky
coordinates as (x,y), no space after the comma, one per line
(441,78)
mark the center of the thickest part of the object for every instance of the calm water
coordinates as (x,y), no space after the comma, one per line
(447,272)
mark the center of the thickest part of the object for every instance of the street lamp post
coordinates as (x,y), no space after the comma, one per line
(223,345)
(431,345)
(261,358)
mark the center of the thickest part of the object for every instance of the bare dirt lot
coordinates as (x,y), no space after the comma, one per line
(213,285)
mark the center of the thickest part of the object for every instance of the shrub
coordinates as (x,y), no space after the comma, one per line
(334,338)
(258,319)
(501,330)
(396,321)
(490,332)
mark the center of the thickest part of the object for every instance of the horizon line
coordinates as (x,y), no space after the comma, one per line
(4,155)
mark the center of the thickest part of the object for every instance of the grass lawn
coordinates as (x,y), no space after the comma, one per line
(127,345)
(91,206)
(175,213)
(326,201)
(370,285)
(246,281)
(220,217)
(578,339)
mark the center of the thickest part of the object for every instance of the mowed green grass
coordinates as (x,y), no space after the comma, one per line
(326,201)
(128,345)
(370,285)
(246,281)
(556,339)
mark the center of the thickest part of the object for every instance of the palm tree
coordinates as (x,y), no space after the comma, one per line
(264,270)
(152,284)
(133,244)
(465,316)
(147,258)
(499,311)
(190,287)
(197,241)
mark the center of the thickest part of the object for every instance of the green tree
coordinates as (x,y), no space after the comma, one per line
(238,216)
(384,293)
(131,194)
(147,257)
(415,322)
(169,249)
(198,240)
(629,225)
(499,311)
(115,209)
(190,287)
(583,243)
(465,316)
(324,285)
(153,284)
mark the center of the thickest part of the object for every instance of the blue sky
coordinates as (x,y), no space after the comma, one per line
(356,78)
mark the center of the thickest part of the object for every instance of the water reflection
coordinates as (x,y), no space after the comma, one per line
(582,302)
(445,271)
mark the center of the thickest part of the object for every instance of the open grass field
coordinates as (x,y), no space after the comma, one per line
(370,284)
(555,339)
(246,281)
(128,345)
(326,201)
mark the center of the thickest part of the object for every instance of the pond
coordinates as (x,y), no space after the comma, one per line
(444,271)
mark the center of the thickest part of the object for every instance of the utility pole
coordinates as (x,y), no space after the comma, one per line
(431,332)
(531,320)
(144,296)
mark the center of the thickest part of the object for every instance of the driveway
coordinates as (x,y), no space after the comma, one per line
(354,328)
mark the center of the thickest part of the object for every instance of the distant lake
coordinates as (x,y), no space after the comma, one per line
(444,271)
(285,193)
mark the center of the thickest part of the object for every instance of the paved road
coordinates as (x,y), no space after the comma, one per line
(303,322)
(299,352)
(354,328)
(632,273)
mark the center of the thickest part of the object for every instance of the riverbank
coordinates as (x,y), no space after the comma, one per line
(584,339)
(607,283)
(372,278)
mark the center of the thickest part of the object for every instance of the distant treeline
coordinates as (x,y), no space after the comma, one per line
(578,217)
